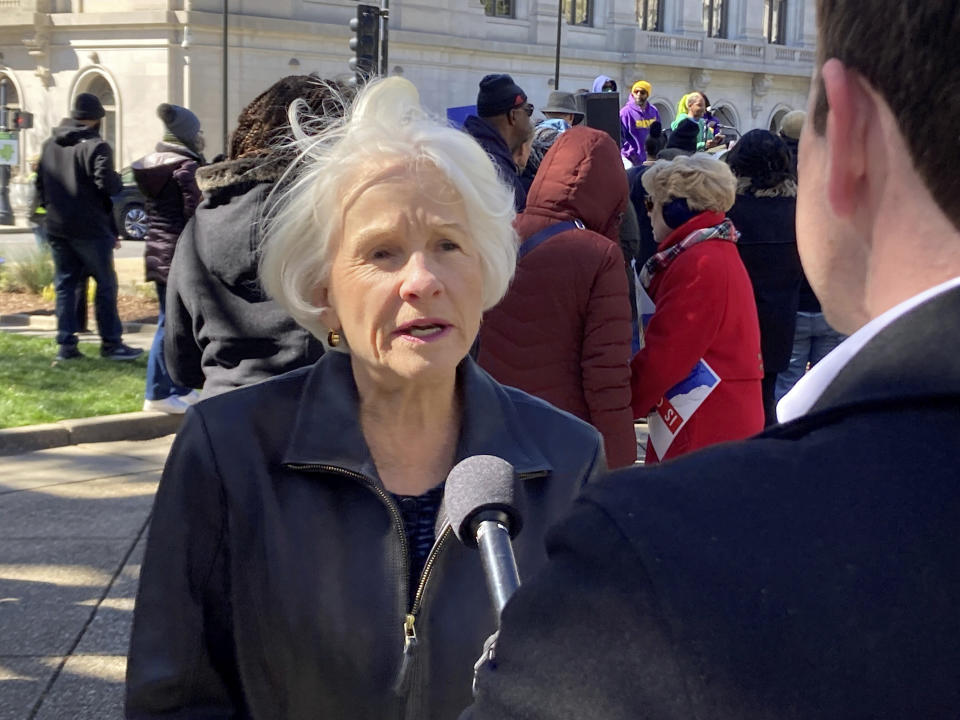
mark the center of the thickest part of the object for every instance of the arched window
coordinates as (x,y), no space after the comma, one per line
(775,21)
(13,99)
(13,103)
(97,84)
(726,115)
(578,12)
(666,113)
(776,119)
(715,18)
(650,15)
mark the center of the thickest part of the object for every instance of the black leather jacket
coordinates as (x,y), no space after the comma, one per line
(275,578)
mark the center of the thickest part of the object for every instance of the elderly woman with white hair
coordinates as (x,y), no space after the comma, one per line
(300,561)
(697,378)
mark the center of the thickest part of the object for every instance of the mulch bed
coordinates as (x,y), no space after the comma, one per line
(132,308)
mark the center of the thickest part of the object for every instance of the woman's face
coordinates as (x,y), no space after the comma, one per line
(405,286)
(696,106)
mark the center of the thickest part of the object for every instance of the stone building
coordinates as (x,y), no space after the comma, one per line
(753,58)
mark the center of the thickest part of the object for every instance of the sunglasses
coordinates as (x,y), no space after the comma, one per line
(526,107)
(648,204)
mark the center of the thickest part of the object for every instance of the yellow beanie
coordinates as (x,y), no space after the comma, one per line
(641,84)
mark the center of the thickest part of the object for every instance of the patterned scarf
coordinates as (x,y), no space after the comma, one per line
(663,259)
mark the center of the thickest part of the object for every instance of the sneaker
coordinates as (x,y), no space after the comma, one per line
(172,405)
(121,352)
(68,352)
(190,398)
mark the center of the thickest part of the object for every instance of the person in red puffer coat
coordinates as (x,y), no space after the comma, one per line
(563,330)
(705,311)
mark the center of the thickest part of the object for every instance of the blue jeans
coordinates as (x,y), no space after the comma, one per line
(812,340)
(159,383)
(72,260)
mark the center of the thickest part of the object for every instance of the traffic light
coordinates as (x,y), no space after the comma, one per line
(365,43)
(22,120)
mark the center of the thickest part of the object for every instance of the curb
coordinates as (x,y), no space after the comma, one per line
(49,322)
(105,428)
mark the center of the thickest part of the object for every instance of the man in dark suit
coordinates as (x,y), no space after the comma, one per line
(812,571)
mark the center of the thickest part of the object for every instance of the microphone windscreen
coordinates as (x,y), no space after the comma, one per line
(476,484)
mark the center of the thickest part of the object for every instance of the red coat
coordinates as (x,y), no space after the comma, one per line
(705,309)
(562,333)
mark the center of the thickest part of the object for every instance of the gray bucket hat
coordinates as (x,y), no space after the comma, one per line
(563,102)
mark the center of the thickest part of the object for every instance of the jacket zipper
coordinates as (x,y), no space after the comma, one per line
(410,641)
(397,523)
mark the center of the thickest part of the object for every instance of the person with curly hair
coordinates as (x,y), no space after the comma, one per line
(223,331)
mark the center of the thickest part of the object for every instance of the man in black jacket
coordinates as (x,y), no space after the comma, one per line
(75,182)
(501,126)
(812,571)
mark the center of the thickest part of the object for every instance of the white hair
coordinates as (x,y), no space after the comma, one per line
(385,127)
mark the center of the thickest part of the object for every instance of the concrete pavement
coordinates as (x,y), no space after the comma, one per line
(72,529)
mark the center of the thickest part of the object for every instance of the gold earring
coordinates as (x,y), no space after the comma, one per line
(333,338)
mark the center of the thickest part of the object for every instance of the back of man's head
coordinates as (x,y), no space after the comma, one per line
(87,107)
(498,95)
(907,52)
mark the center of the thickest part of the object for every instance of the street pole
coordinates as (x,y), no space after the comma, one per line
(384,21)
(6,214)
(223,91)
(556,67)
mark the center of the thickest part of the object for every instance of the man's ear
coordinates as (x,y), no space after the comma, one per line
(852,109)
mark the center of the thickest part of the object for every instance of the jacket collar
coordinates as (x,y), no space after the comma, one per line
(327,429)
(913,358)
(708,218)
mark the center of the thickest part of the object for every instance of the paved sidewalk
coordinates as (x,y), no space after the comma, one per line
(72,529)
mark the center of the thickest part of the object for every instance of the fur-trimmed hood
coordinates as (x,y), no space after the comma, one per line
(786,188)
(245,171)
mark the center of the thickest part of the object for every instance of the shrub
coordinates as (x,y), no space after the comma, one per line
(30,273)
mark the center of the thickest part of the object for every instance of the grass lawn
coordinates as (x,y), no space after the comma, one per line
(34,388)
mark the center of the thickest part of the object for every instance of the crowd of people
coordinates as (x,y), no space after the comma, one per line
(367,296)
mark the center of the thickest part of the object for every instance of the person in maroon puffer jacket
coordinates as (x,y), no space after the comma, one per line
(167,179)
(563,330)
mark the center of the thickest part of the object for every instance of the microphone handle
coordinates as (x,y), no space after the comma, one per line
(499,564)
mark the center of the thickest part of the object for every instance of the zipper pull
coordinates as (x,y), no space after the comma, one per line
(409,649)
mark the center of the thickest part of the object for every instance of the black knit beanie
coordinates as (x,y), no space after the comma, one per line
(498,94)
(685,136)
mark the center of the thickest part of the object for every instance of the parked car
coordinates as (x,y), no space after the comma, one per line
(129,208)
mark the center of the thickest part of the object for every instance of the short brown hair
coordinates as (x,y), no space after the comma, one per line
(908,52)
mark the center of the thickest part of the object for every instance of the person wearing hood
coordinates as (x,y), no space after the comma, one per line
(563,330)
(75,183)
(223,332)
(604,83)
(636,117)
(167,179)
(502,125)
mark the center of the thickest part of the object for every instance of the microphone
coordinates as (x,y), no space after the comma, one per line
(484,513)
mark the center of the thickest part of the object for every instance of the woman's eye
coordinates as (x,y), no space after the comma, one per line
(380,254)
(449,245)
